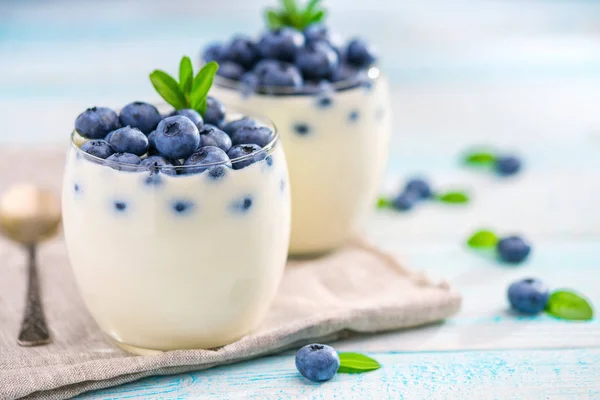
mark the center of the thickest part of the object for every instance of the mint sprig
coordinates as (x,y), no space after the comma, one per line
(190,91)
(482,239)
(453,197)
(357,363)
(568,305)
(480,158)
(292,15)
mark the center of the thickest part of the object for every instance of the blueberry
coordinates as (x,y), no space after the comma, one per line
(528,296)
(316,32)
(214,52)
(405,201)
(242,205)
(250,152)
(353,116)
(96,122)
(349,75)
(193,115)
(317,362)
(259,135)
(127,161)
(360,54)
(324,102)
(317,60)
(120,205)
(129,140)
(157,164)
(203,159)
(213,136)
(249,83)
(513,249)
(242,50)
(281,44)
(278,73)
(215,112)
(182,206)
(244,122)
(507,165)
(151,143)
(140,115)
(231,70)
(420,187)
(98,148)
(302,129)
(176,137)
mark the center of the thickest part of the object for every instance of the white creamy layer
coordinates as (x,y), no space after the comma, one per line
(191,262)
(336,145)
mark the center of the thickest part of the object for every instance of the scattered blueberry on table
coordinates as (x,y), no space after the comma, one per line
(501,164)
(297,51)
(510,250)
(418,190)
(319,362)
(528,296)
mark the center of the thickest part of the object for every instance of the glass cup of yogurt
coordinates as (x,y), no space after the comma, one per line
(170,256)
(332,108)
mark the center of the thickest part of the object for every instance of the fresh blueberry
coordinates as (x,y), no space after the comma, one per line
(243,51)
(513,249)
(507,165)
(405,201)
(231,70)
(242,205)
(98,148)
(249,83)
(259,135)
(140,115)
(528,296)
(317,362)
(124,161)
(317,60)
(316,32)
(281,44)
(96,122)
(302,129)
(176,137)
(360,54)
(420,187)
(215,112)
(120,205)
(213,136)
(278,73)
(349,75)
(244,122)
(151,143)
(157,164)
(250,152)
(193,115)
(129,140)
(205,158)
(214,52)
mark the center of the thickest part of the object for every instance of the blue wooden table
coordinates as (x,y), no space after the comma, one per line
(522,77)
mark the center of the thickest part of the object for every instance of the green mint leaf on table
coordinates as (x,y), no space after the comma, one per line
(482,238)
(186,76)
(294,16)
(480,158)
(356,363)
(453,197)
(201,85)
(565,304)
(168,88)
(384,203)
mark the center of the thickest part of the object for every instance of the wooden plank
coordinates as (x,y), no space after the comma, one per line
(529,374)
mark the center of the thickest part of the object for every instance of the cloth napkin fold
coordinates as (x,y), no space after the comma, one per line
(356,289)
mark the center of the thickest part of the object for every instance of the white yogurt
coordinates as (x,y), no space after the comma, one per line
(336,151)
(191,262)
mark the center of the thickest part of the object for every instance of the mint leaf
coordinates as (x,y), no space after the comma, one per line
(186,76)
(384,203)
(483,238)
(480,158)
(168,89)
(317,17)
(308,11)
(568,305)
(290,6)
(273,19)
(201,85)
(356,363)
(453,198)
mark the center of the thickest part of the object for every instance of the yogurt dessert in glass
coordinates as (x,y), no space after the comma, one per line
(332,109)
(177,232)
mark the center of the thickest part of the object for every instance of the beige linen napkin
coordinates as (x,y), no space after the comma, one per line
(357,289)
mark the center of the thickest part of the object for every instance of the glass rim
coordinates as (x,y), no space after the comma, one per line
(267,149)
(372,74)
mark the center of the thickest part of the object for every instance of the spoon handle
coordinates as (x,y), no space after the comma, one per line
(34,330)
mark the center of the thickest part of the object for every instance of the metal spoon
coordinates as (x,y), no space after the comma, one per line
(29,215)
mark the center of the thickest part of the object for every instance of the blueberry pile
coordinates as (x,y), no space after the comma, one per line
(140,138)
(298,51)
